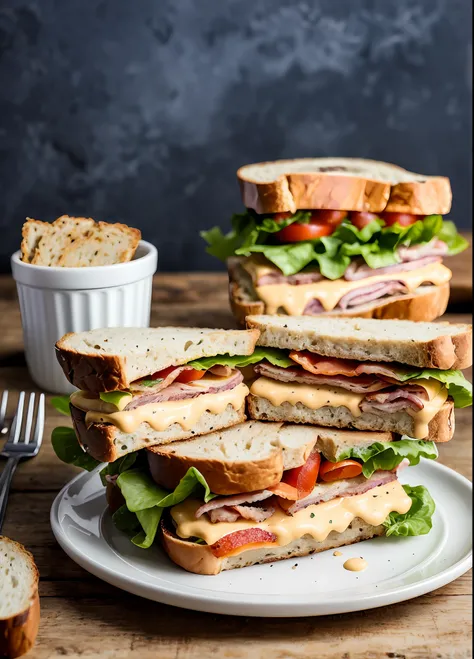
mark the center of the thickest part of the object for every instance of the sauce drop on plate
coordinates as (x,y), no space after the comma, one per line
(355,564)
(337,553)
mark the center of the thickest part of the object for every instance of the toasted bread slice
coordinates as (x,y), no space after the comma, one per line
(104,244)
(425,304)
(19,601)
(199,558)
(110,359)
(107,443)
(32,232)
(426,345)
(350,184)
(440,428)
(65,232)
(250,456)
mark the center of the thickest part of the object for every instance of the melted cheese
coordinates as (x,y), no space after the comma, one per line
(88,402)
(317,396)
(317,521)
(294,298)
(313,396)
(161,416)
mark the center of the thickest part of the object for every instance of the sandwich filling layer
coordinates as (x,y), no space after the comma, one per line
(316,521)
(312,294)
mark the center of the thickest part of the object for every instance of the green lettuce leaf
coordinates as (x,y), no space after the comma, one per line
(275,356)
(417,521)
(119,466)
(114,397)
(388,455)
(146,500)
(126,521)
(375,243)
(68,449)
(61,404)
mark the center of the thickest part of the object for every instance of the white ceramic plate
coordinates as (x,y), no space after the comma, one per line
(398,568)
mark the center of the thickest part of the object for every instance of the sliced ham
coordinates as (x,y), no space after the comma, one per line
(162,383)
(434,248)
(221,371)
(359,384)
(412,396)
(369,293)
(181,391)
(359,269)
(313,308)
(255,513)
(320,365)
(229,502)
(345,488)
(298,279)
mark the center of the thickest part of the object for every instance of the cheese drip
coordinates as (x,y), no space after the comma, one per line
(161,416)
(317,521)
(294,298)
(317,396)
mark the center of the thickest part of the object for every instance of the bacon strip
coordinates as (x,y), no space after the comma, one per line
(237,500)
(320,365)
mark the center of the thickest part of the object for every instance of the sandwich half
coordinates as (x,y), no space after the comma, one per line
(365,374)
(338,237)
(141,387)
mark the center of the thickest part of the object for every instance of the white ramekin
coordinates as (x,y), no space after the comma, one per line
(54,301)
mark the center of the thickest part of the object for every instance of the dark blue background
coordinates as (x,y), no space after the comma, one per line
(141,111)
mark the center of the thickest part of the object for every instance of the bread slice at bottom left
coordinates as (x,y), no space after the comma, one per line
(199,558)
(19,600)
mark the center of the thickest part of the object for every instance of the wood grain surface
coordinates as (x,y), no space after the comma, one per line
(84,617)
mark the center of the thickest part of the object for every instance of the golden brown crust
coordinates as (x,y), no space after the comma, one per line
(94,373)
(432,196)
(18,633)
(224,478)
(101,440)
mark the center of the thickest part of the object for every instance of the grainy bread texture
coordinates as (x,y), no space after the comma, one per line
(107,443)
(423,305)
(351,184)
(332,443)
(110,359)
(19,601)
(440,428)
(250,456)
(200,559)
(77,242)
(426,345)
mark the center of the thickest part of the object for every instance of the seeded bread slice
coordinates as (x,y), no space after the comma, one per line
(19,601)
(107,443)
(104,244)
(110,359)
(425,304)
(426,345)
(65,232)
(440,428)
(250,456)
(351,184)
(32,232)
(199,558)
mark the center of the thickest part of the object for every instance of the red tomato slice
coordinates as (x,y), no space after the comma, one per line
(295,233)
(360,220)
(403,219)
(333,217)
(161,375)
(233,541)
(282,216)
(336,471)
(190,375)
(304,478)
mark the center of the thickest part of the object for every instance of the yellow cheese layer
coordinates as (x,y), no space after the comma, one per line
(161,416)
(294,298)
(317,521)
(317,396)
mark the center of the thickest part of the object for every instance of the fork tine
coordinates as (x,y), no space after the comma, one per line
(3,411)
(38,436)
(17,421)
(29,417)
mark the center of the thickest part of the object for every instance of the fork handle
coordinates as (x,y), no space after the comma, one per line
(5,482)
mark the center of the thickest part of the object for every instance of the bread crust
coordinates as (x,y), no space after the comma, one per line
(425,307)
(101,440)
(224,478)
(440,428)
(323,190)
(200,559)
(94,373)
(18,633)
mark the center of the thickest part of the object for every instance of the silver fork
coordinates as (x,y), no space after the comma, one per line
(24,440)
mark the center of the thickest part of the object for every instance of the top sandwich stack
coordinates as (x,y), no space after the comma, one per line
(338,237)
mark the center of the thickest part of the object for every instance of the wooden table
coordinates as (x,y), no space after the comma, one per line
(84,617)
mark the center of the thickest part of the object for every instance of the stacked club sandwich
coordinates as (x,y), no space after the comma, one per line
(338,407)
(338,237)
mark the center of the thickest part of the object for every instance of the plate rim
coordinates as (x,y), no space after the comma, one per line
(243,604)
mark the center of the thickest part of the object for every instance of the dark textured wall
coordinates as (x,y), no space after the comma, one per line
(141,110)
